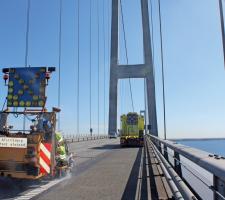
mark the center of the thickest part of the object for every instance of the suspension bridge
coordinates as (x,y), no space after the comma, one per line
(98,86)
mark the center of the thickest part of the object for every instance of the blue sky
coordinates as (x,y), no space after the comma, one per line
(194,71)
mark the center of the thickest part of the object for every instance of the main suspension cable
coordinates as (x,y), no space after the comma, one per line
(127,61)
(27,33)
(59,61)
(78,66)
(163,76)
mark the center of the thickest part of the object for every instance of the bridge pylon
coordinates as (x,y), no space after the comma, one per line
(118,71)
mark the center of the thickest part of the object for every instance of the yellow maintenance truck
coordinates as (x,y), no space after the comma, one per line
(132,129)
(30,152)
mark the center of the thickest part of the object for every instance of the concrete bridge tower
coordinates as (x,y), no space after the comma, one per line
(118,71)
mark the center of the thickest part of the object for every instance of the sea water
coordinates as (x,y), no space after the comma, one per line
(214,146)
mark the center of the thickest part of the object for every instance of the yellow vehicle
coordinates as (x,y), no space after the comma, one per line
(28,153)
(132,130)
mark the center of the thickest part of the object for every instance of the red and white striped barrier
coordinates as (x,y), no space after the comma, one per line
(45,158)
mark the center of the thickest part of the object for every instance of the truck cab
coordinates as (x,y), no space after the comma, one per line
(131,129)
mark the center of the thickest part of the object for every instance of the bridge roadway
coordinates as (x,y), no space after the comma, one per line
(102,170)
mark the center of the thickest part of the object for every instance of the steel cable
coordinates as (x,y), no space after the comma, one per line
(163,75)
(90,77)
(78,66)
(152,37)
(125,44)
(104,55)
(59,61)
(4,104)
(109,34)
(145,102)
(27,46)
(98,40)
(27,33)
(222,27)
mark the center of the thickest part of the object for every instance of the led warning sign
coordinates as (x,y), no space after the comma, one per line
(26,87)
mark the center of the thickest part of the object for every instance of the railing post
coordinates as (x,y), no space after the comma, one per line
(219,186)
(160,147)
(177,165)
(165,152)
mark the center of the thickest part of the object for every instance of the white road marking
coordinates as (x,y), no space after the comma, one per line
(37,191)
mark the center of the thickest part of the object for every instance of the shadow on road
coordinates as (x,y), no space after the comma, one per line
(11,188)
(132,184)
(112,146)
(130,189)
(107,146)
(153,188)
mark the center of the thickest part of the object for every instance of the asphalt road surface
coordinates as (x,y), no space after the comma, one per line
(103,170)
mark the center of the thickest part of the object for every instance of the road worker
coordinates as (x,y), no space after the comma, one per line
(61,151)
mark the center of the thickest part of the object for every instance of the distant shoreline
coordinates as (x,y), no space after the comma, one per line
(195,139)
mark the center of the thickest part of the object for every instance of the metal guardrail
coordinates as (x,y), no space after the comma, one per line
(178,187)
(71,139)
(214,164)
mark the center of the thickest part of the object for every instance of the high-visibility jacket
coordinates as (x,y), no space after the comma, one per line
(61,151)
(59,137)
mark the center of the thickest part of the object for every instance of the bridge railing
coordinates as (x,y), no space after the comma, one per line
(73,138)
(198,169)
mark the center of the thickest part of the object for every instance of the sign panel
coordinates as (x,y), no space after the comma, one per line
(13,142)
(26,87)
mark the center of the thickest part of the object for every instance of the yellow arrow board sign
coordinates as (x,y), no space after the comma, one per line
(13,142)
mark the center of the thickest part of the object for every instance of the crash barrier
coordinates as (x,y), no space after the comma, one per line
(196,173)
(73,138)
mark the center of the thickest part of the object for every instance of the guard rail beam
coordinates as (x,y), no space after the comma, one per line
(85,138)
(214,164)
